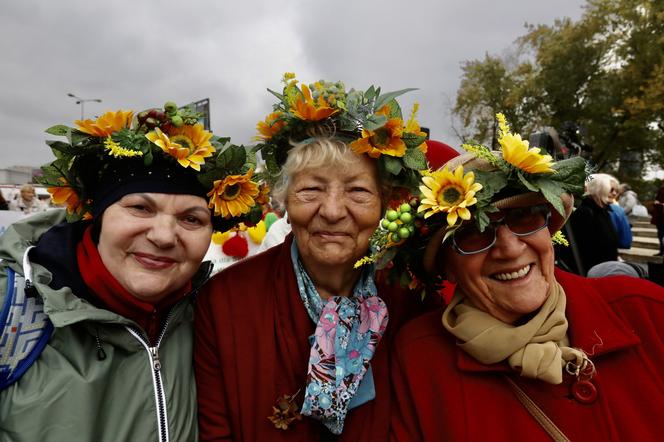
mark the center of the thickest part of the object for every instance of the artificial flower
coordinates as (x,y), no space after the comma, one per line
(234,195)
(285,411)
(107,124)
(517,152)
(61,195)
(115,150)
(288,76)
(412,126)
(448,192)
(190,145)
(386,140)
(270,127)
(263,197)
(306,109)
(559,238)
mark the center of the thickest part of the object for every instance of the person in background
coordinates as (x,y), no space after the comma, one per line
(593,232)
(627,198)
(103,348)
(617,213)
(658,218)
(26,201)
(293,344)
(3,202)
(523,351)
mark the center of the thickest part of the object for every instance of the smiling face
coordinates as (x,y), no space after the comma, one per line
(333,211)
(509,280)
(153,243)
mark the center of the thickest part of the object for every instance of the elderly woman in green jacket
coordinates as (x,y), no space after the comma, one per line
(101,346)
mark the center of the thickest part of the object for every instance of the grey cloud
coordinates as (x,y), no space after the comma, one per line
(135,55)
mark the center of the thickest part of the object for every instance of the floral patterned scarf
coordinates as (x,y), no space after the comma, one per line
(348,329)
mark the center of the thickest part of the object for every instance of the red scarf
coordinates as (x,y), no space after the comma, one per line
(150,316)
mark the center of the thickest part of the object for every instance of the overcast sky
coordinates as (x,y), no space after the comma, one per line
(135,54)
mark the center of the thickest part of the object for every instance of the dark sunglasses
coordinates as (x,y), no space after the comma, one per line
(521,221)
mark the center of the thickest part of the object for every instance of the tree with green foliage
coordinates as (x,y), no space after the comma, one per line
(491,86)
(604,72)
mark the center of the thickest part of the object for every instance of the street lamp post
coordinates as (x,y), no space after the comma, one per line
(82,102)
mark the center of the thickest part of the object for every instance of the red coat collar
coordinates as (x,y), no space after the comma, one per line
(593,326)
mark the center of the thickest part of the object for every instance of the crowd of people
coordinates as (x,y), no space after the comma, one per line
(408,292)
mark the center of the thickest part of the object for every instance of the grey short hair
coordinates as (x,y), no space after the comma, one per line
(318,152)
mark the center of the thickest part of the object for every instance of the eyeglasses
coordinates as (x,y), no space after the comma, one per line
(522,221)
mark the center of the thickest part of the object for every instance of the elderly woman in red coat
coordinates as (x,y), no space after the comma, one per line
(291,342)
(523,351)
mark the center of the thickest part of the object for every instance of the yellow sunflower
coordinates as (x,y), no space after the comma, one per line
(107,124)
(190,145)
(234,195)
(385,140)
(448,192)
(412,126)
(305,108)
(66,195)
(517,152)
(270,127)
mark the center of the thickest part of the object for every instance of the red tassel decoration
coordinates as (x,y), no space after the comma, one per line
(236,247)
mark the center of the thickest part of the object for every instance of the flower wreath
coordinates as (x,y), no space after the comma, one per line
(449,198)
(370,122)
(154,135)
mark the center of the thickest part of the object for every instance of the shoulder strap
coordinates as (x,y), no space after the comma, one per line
(536,412)
(25,329)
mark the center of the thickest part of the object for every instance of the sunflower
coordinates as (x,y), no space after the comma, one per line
(386,140)
(450,193)
(66,195)
(306,109)
(270,127)
(517,152)
(412,126)
(190,145)
(107,124)
(234,195)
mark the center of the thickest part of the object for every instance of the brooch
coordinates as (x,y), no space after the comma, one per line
(583,390)
(285,411)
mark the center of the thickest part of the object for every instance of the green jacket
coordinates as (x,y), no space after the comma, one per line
(135,393)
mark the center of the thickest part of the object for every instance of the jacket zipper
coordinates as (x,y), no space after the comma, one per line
(157,381)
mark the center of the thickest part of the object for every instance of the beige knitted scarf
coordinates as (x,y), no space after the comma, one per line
(537,349)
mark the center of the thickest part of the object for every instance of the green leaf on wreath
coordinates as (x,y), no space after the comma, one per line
(552,191)
(392,165)
(415,159)
(383,99)
(523,180)
(59,130)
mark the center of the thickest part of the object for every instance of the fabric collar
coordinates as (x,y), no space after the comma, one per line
(598,334)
